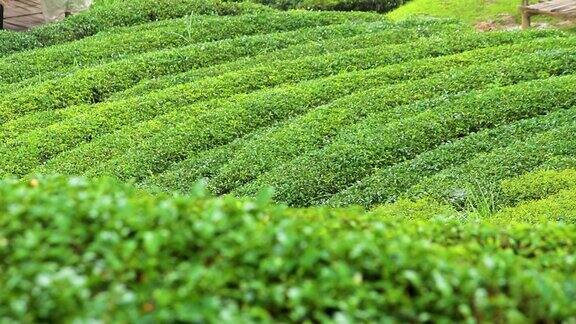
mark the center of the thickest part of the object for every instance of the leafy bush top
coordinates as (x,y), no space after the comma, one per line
(77,249)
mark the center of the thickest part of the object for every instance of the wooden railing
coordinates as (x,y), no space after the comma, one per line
(21,14)
(555,8)
(1,14)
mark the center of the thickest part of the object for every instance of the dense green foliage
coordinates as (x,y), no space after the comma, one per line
(108,14)
(421,172)
(390,183)
(345,5)
(73,249)
(538,184)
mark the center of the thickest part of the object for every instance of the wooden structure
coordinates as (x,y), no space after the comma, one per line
(20,14)
(555,8)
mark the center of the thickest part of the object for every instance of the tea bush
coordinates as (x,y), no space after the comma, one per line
(510,161)
(538,184)
(118,13)
(312,177)
(124,111)
(74,248)
(317,128)
(345,5)
(104,47)
(391,183)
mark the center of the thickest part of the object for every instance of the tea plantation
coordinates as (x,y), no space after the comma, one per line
(205,161)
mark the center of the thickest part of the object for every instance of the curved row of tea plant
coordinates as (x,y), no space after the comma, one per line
(118,13)
(94,84)
(538,184)
(347,83)
(515,159)
(317,128)
(345,5)
(389,184)
(328,40)
(559,207)
(179,33)
(370,35)
(313,177)
(19,156)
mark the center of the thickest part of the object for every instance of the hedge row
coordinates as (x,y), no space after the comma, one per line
(180,33)
(558,208)
(328,42)
(94,84)
(314,177)
(115,14)
(155,155)
(8,88)
(488,169)
(259,44)
(32,149)
(344,5)
(538,184)
(317,128)
(74,249)
(180,176)
(11,42)
(391,183)
(247,111)
(290,98)
(36,147)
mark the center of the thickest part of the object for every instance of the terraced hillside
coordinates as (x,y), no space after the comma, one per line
(427,169)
